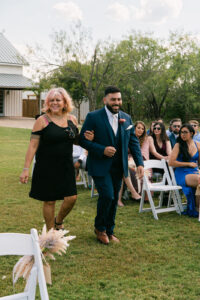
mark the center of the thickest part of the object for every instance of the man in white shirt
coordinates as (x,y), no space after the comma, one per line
(195,125)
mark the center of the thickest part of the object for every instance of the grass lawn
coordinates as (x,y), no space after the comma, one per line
(155,259)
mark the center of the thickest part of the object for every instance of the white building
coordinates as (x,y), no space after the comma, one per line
(12,81)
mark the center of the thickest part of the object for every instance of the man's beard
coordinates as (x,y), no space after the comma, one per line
(176,132)
(109,107)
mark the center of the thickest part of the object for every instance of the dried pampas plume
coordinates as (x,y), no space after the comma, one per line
(51,242)
(23,268)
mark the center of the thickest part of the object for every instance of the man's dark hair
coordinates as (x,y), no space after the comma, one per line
(111,90)
(175,120)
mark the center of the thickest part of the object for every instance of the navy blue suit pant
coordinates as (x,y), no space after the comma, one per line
(108,188)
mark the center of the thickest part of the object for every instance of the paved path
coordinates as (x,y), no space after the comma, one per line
(17,122)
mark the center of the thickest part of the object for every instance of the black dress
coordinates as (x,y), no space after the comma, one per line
(54,175)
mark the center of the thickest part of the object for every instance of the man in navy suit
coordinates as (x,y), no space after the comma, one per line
(175,127)
(107,160)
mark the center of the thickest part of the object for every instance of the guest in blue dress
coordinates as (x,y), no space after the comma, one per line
(185,157)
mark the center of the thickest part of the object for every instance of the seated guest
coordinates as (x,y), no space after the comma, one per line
(169,130)
(150,130)
(195,125)
(79,157)
(161,141)
(175,127)
(185,157)
(146,142)
(133,188)
(159,120)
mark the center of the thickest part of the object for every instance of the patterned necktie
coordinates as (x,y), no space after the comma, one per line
(115,123)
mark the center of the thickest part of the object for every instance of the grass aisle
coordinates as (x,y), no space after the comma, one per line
(155,259)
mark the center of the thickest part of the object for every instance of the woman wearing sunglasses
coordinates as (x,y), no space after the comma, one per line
(185,159)
(160,141)
(52,139)
(146,142)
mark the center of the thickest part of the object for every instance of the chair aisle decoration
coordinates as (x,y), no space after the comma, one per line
(164,185)
(25,244)
(33,265)
(50,242)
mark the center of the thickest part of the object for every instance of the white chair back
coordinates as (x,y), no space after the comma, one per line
(25,244)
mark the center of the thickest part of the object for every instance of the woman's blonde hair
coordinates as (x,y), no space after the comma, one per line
(68,105)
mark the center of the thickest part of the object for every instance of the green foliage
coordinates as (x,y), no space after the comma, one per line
(153,74)
(155,259)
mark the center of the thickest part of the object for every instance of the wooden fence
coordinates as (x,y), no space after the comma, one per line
(31,108)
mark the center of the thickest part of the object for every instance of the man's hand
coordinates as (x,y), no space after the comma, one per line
(140,172)
(89,135)
(109,151)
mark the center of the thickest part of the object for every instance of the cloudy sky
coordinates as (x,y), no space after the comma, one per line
(29,21)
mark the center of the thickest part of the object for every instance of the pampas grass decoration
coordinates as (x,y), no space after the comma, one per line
(51,242)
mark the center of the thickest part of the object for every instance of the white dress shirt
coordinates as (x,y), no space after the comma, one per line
(111,119)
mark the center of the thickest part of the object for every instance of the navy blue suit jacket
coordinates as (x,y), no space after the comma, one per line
(172,139)
(97,163)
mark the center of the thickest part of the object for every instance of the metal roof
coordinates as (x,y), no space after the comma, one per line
(14,81)
(8,53)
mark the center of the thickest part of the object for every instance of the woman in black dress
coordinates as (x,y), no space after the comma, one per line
(161,143)
(51,143)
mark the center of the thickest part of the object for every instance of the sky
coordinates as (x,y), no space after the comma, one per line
(27,22)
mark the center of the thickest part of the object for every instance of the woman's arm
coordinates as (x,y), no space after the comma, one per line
(168,148)
(32,148)
(89,135)
(175,163)
(152,148)
(198,146)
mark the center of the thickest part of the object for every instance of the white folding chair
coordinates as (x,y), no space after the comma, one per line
(25,244)
(93,194)
(163,186)
(177,193)
(83,178)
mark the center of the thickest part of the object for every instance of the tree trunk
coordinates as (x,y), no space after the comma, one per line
(92,100)
(79,113)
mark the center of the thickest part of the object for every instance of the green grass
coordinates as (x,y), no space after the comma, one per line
(155,259)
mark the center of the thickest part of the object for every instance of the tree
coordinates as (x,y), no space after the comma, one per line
(75,56)
(150,72)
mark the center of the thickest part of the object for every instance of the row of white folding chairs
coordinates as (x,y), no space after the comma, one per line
(167,184)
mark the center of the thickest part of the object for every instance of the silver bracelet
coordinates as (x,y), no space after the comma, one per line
(25,168)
